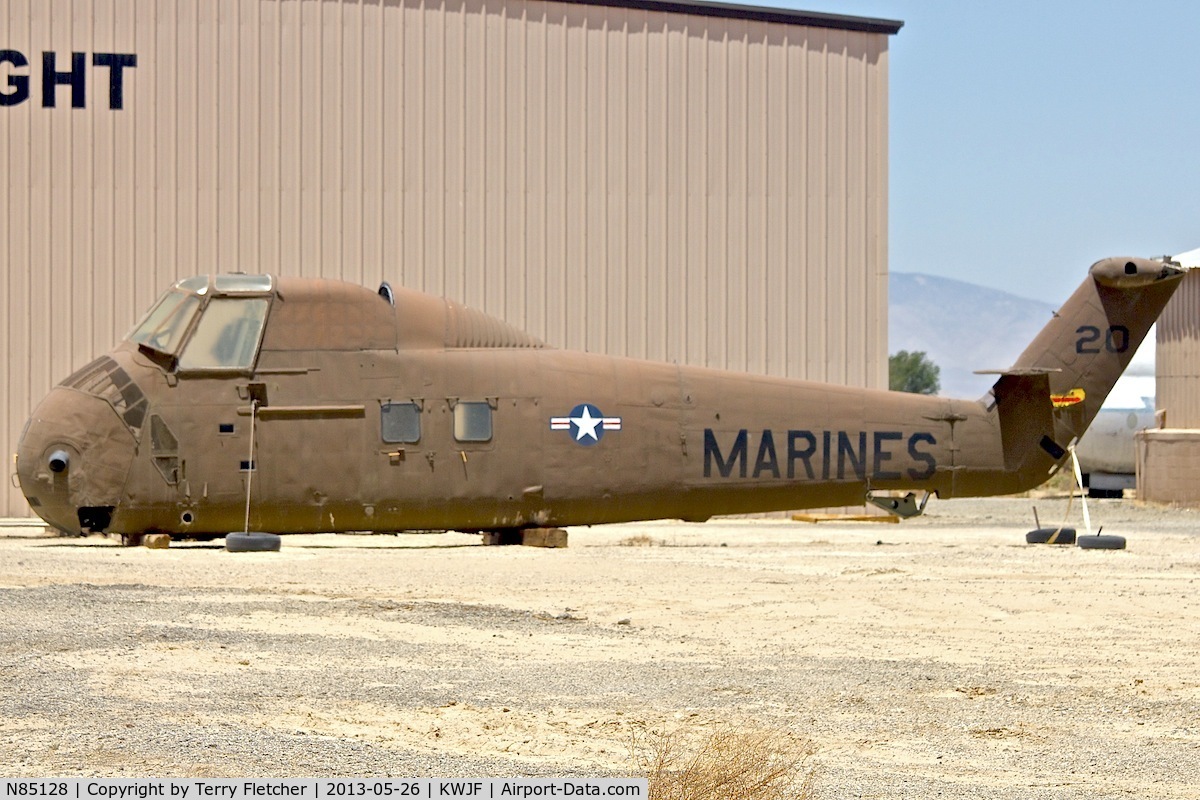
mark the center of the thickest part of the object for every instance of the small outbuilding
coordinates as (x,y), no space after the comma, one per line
(1168,456)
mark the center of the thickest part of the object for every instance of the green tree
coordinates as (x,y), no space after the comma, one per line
(913,372)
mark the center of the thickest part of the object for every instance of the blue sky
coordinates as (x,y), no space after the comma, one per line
(1029,139)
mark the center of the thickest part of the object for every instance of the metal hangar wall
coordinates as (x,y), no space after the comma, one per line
(1168,456)
(685,181)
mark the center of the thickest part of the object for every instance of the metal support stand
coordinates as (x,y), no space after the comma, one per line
(250,464)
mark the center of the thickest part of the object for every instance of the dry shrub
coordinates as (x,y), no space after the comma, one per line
(639,540)
(725,764)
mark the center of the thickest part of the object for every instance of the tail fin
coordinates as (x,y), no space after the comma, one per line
(1078,357)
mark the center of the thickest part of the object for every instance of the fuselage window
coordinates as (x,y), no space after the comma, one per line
(227,334)
(400,423)
(473,422)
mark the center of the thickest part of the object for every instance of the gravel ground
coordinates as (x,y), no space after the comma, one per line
(937,658)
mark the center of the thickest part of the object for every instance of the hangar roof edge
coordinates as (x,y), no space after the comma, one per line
(784,16)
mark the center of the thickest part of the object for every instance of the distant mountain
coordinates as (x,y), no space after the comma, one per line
(962,327)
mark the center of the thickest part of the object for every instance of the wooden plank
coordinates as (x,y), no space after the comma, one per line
(814,518)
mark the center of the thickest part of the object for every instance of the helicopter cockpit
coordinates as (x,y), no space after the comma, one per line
(207,323)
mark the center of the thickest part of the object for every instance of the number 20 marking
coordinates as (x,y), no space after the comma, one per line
(1116,339)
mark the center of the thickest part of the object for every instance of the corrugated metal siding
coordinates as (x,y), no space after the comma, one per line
(1168,466)
(1177,356)
(690,188)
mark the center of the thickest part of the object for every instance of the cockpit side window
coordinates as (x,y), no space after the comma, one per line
(164,327)
(227,335)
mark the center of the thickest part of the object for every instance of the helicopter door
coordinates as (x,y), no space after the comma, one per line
(306,465)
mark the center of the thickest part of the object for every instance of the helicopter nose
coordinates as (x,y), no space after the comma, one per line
(73,460)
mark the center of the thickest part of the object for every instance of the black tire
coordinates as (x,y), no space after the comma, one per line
(253,542)
(1045,535)
(1099,542)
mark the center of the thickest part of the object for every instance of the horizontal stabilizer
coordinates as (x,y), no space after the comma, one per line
(1017,371)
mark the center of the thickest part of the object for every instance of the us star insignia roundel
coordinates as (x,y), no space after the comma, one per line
(586,423)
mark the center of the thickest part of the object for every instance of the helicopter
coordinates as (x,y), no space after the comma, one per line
(340,408)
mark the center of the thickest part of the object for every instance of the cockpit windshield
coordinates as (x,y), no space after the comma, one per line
(164,327)
(208,323)
(227,335)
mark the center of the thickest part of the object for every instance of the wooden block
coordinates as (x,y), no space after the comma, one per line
(157,541)
(544,537)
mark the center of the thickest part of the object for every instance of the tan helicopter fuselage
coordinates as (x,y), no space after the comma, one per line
(691,443)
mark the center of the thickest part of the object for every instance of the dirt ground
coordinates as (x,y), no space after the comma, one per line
(938,657)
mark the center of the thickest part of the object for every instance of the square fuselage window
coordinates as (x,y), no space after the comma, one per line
(473,422)
(400,423)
